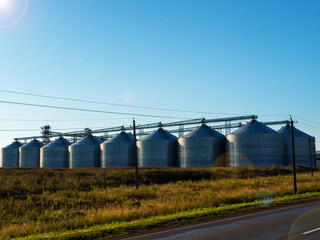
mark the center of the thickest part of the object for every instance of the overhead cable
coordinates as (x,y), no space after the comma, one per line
(114,104)
(87,110)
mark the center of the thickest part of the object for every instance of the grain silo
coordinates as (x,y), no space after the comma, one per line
(118,151)
(30,154)
(159,149)
(10,155)
(255,144)
(85,153)
(55,154)
(201,147)
(301,143)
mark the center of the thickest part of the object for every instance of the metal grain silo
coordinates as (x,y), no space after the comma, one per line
(201,147)
(301,143)
(159,149)
(118,151)
(10,155)
(255,144)
(85,153)
(55,154)
(30,154)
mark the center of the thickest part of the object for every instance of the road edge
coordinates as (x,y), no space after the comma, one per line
(115,230)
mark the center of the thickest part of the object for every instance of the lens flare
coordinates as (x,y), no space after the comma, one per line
(12,12)
(220,161)
(264,197)
(128,96)
(307,221)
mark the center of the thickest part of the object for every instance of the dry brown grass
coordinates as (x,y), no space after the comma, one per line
(60,202)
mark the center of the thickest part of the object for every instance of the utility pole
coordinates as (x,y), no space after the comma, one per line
(293,158)
(135,153)
(311,168)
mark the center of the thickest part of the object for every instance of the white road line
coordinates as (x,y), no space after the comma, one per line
(311,231)
(218,221)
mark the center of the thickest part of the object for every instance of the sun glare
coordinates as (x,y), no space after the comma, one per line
(4,4)
(12,11)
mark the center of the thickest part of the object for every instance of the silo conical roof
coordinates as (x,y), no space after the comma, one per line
(33,143)
(89,140)
(122,137)
(160,134)
(286,132)
(204,131)
(60,142)
(15,144)
(254,127)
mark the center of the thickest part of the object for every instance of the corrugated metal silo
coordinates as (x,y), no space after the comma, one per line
(301,143)
(10,155)
(85,153)
(255,144)
(30,154)
(159,149)
(118,151)
(201,147)
(55,154)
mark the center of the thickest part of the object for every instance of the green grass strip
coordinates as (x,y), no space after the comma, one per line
(121,228)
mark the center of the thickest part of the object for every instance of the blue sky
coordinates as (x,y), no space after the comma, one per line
(232,57)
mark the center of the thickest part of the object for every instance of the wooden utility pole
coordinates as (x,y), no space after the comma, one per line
(310,154)
(135,154)
(293,158)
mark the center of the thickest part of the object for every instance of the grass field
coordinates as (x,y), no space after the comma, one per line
(52,202)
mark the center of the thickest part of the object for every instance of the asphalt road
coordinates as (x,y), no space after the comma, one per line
(291,222)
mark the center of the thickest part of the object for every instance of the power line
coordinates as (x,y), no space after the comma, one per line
(113,104)
(273,115)
(19,130)
(309,127)
(130,106)
(317,123)
(57,120)
(32,130)
(87,110)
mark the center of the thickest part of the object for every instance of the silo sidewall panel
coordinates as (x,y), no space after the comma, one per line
(41,157)
(255,150)
(30,157)
(181,151)
(54,157)
(10,157)
(139,153)
(117,155)
(158,153)
(302,153)
(84,156)
(231,150)
(200,151)
(313,152)
(102,155)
